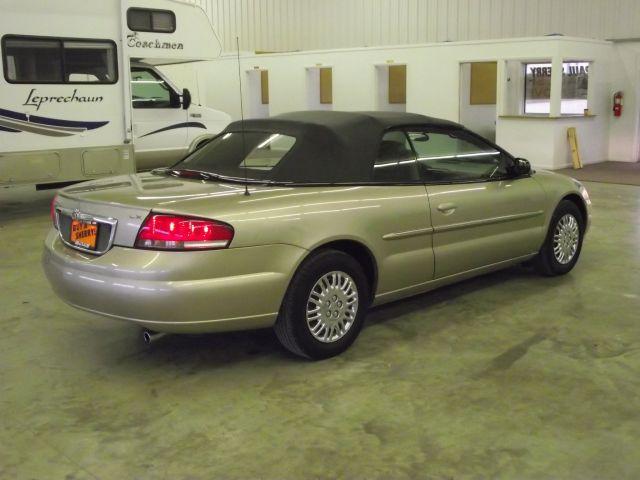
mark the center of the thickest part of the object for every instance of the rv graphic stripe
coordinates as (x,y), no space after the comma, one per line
(52,127)
(51,121)
(7,129)
(177,125)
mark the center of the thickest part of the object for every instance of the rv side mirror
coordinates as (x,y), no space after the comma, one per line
(521,167)
(174,98)
(186,98)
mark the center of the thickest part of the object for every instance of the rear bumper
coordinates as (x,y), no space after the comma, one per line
(179,292)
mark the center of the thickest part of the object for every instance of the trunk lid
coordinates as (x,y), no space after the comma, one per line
(128,199)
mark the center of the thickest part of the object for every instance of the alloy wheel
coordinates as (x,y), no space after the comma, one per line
(566,237)
(332,306)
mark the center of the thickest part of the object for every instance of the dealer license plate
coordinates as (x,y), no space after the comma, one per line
(84,234)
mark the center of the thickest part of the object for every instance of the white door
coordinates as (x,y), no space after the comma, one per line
(160,124)
(478,89)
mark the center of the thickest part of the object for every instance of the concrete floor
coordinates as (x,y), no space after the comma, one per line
(626,173)
(507,376)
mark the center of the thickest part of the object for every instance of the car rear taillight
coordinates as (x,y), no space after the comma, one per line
(53,211)
(171,232)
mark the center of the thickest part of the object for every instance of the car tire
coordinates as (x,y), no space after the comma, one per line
(563,243)
(324,308)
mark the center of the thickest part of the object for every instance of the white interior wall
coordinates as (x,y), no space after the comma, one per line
(286,25)
(625,76)
(433,79)
(306,24)
(592,141)
(479,118)
(543,140)
(532,139)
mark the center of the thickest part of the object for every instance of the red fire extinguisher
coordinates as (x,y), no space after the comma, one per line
(617,103)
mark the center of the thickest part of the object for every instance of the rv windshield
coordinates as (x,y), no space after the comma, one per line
(254,155)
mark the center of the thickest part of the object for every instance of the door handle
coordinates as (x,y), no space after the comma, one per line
(195,115)
(447,208)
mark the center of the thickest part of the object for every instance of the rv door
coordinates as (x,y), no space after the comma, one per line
(160,124)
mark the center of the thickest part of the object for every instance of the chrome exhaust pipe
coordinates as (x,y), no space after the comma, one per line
(149,337)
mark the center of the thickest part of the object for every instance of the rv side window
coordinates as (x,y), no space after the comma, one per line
(89,62)
(28,60)
(149,90)
(52,60)
(147,20)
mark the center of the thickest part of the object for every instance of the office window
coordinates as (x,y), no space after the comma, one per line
(537,88)
(147,20)
(52,60)
(575,82)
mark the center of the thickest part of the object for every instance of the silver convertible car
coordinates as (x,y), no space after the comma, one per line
(303,221)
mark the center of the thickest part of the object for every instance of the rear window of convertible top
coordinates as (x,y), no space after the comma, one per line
(240,154)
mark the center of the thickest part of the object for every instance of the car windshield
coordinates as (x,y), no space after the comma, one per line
(254,155)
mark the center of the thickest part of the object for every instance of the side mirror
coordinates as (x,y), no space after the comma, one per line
(186,98)
(174,98)
(521,167)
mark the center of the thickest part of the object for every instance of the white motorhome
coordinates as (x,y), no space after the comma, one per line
(85,98)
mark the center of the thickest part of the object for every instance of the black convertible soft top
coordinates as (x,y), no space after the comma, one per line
(333,147)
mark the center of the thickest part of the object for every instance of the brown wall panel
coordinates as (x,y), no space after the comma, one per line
(484,77)
(264,86)
(397,84)
(326,85)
